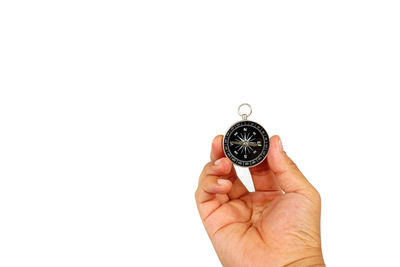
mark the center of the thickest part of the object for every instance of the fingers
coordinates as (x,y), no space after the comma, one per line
(217,152)
(213,190)
(287,175)
(216,148)
(264,178)
(212,180)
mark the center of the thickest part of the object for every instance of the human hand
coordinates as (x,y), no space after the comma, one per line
(277,225)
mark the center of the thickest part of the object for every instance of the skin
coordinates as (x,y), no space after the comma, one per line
(277,225)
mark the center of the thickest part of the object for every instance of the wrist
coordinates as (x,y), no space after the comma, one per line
(314,260)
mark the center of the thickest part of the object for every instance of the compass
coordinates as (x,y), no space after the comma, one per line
(246,143)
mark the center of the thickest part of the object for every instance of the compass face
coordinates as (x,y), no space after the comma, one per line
(246,143)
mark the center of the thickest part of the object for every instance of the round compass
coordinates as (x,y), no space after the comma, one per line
(246,143)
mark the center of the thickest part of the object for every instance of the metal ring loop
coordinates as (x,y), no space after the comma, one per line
(242,114)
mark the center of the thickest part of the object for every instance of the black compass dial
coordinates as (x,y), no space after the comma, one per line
(246,143)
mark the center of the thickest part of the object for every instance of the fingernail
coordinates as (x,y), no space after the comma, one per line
(222,181)
(218,161)
(280,144)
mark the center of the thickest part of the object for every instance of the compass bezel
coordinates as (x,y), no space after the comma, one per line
(246,163)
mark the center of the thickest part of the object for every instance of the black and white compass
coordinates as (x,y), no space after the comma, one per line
(246,143)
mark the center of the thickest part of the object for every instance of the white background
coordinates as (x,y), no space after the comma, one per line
(108,109)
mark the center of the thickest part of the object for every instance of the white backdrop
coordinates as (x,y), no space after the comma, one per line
(108,109)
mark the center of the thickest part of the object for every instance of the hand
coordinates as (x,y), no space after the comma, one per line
(277,225)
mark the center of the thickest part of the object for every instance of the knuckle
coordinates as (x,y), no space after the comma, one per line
(207,165)
(203,172)
(316,195)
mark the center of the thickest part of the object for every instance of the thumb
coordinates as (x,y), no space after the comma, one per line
(288,176)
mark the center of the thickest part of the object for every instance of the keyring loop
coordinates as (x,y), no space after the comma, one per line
(243,114)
